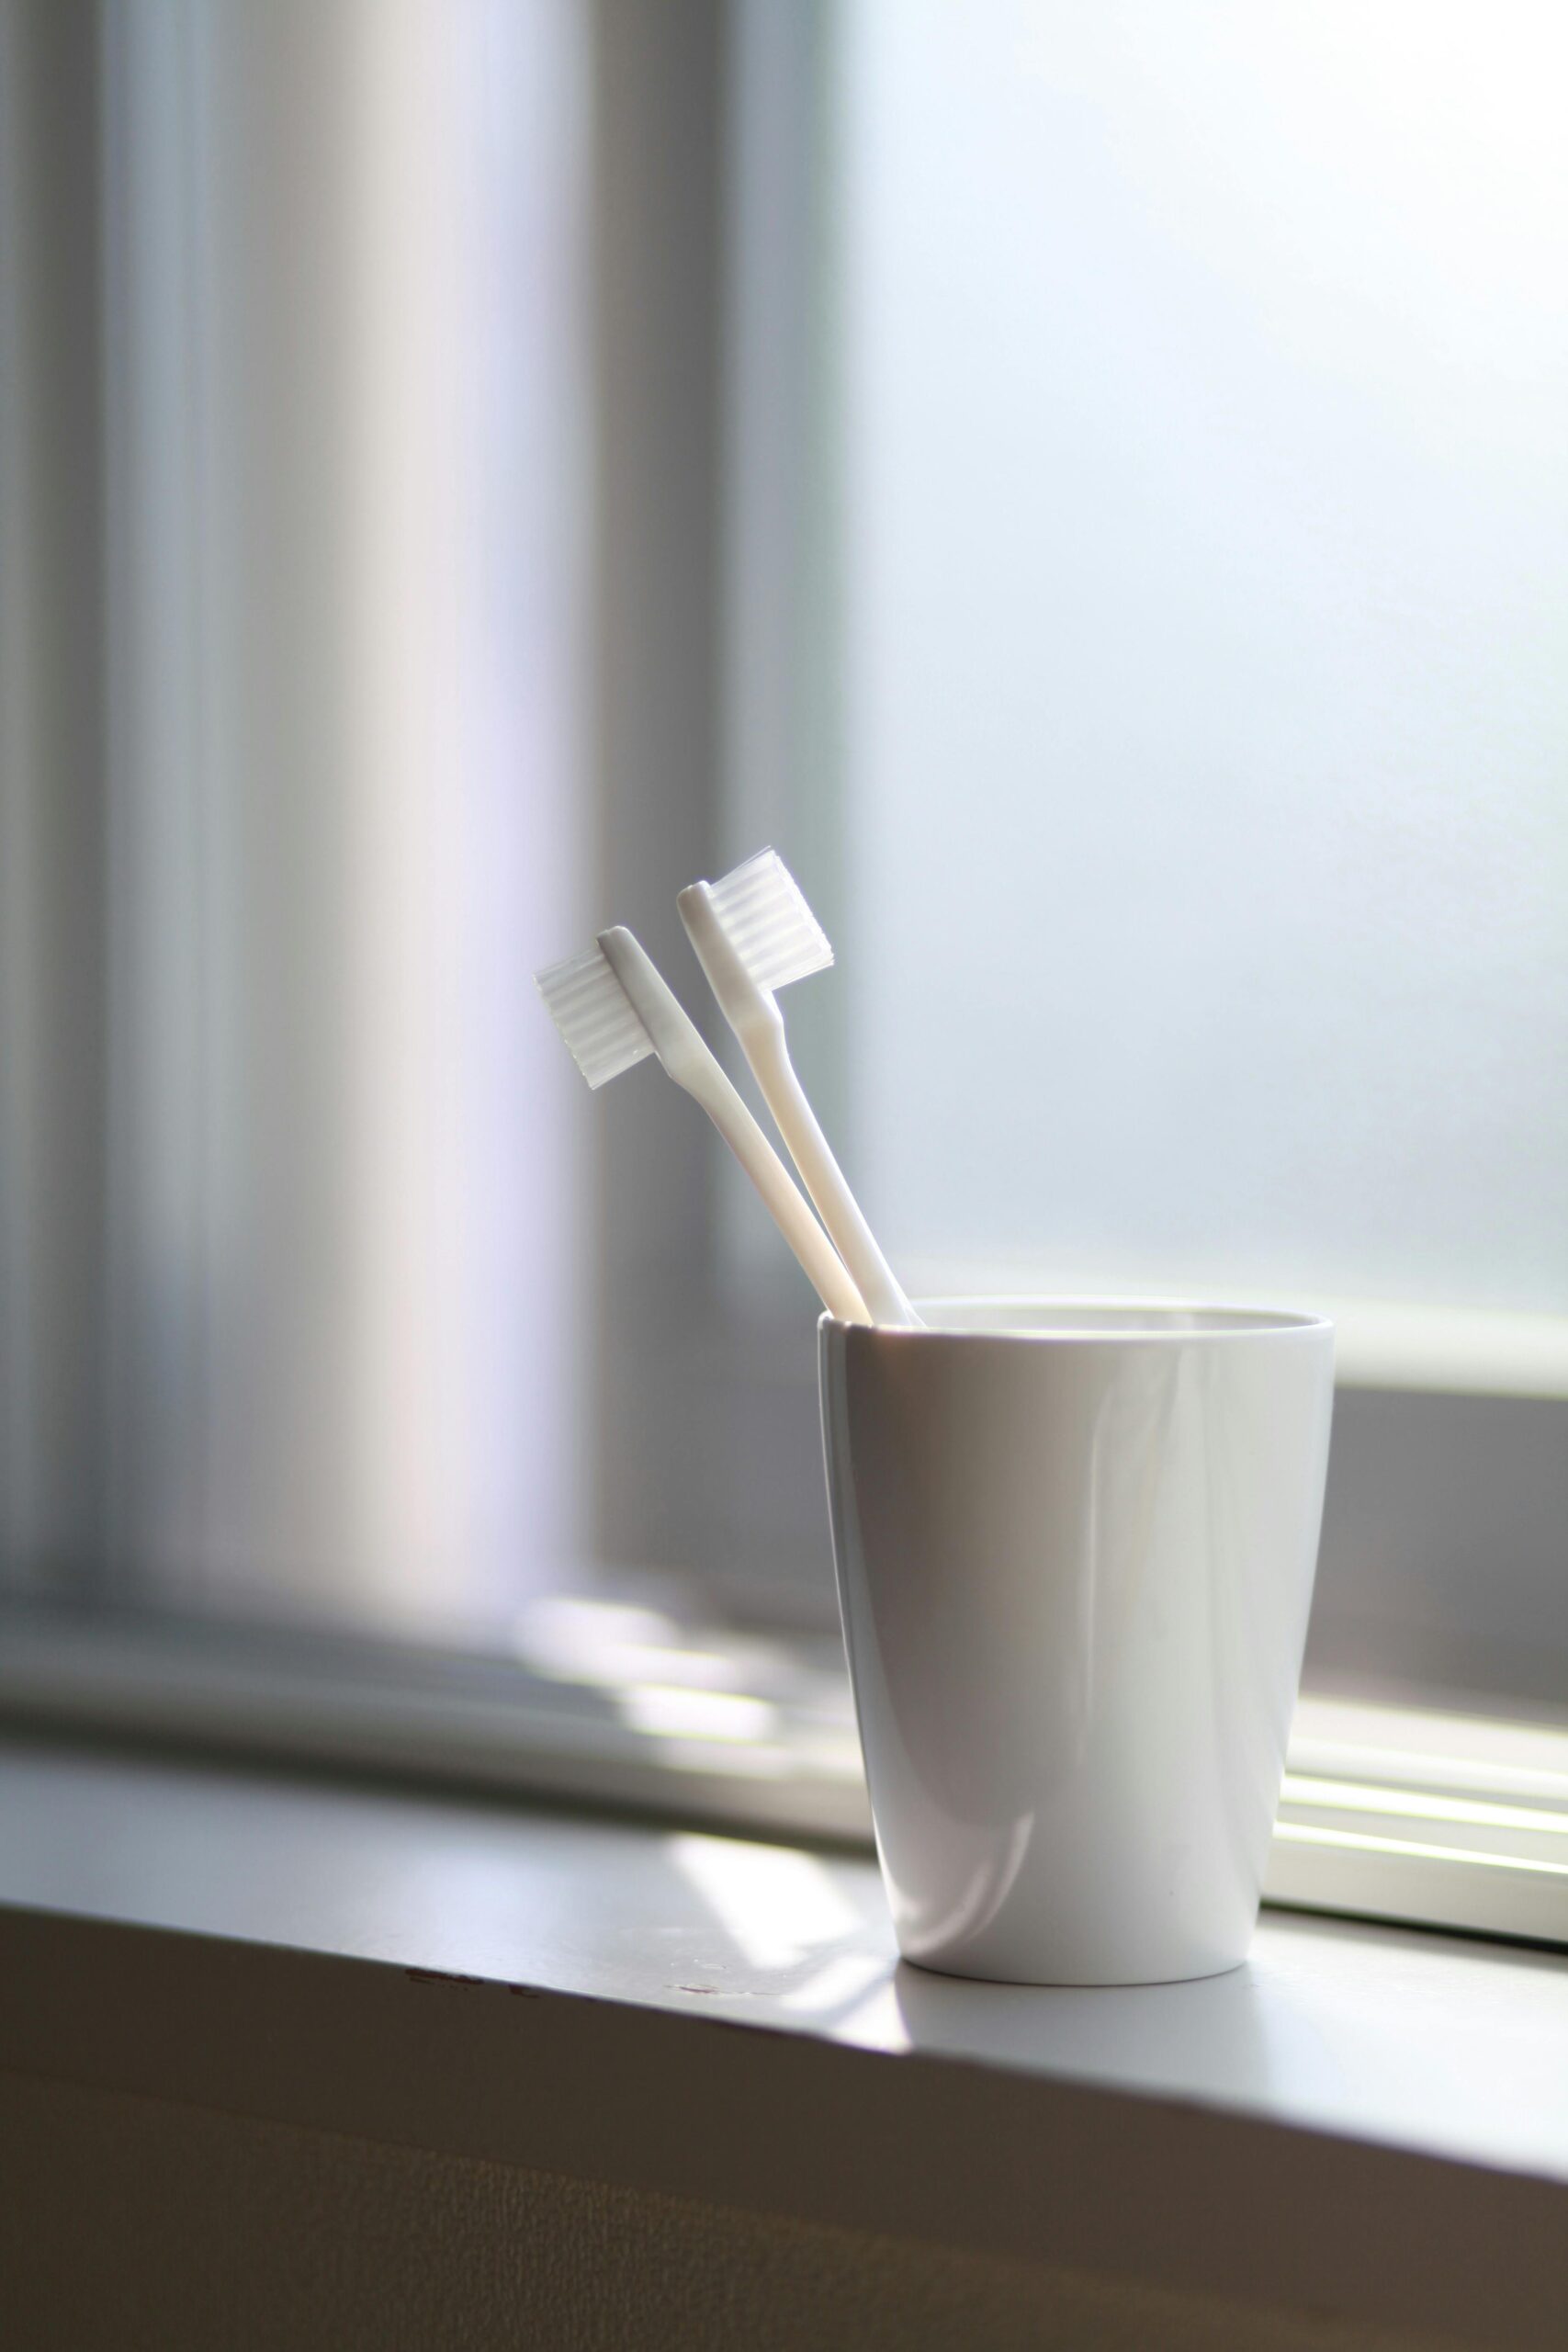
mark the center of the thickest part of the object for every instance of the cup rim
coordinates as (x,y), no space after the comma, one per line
(1210,1321)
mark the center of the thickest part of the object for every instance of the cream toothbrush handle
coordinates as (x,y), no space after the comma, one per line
(767,1050)
(686,1059)
(753,1015)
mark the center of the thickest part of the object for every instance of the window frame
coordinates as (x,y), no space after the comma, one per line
(1451,1424)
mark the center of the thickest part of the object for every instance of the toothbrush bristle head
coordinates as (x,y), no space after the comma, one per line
(768,922)
(604,1034)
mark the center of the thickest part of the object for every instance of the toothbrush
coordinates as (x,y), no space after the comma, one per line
(754,932)
(614,1008)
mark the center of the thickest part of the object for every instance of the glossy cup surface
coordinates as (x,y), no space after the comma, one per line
(1075,1547)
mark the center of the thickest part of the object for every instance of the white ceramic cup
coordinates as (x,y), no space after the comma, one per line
(1076,1547)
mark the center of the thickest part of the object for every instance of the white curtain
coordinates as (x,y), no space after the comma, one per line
(291,1280)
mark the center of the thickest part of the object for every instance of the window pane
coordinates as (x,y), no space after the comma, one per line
(1206,509)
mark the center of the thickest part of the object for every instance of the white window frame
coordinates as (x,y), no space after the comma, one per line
(1445,1556)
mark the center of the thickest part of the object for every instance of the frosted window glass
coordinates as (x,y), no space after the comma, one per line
(1204,469)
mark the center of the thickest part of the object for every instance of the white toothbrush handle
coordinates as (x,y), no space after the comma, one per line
(767,1049)
(688,1061)
(753,1015)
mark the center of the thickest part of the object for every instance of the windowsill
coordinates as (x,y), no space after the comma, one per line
(1365,2120)
(1389,1811)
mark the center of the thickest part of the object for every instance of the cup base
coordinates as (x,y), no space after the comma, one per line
(1083,1983)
